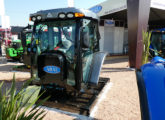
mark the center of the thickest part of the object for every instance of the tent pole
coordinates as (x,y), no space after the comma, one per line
(138,16)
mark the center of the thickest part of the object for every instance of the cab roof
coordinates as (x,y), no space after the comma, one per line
(53,13)
(159,30)
(28,31)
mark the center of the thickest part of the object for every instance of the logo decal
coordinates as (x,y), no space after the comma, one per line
(96,9)
(49,15)
(109,23)
(52,69)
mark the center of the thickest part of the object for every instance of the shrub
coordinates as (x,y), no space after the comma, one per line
(19,105)
(146,45)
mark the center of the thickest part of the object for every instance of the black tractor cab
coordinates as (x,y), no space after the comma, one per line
(26,37)
(157,46)
(65,48)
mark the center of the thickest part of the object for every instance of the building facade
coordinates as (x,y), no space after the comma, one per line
(113,23)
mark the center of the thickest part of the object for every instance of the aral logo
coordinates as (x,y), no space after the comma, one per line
(52,69)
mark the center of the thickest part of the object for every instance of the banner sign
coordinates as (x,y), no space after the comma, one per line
(110,23)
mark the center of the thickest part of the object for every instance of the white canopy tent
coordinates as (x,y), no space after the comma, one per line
(112,6)
(115,37)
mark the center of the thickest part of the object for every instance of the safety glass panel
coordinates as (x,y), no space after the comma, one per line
(90,29)
(156,41)
(57,35)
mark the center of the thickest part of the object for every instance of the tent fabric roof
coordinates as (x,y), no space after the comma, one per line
(117,10)
(109,7)
(113,6)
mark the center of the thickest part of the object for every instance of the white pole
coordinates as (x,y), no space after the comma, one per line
(5,22)
(2,7)
(70,3)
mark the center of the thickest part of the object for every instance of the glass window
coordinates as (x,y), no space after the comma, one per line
(28,36)
(156,39)
(57,35)
(91,28)
(163,39)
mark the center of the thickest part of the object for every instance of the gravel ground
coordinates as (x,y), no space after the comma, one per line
(120,103)
(7,72)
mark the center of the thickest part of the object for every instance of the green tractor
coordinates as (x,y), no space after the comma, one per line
(19,50)
(65,49)
(15,50)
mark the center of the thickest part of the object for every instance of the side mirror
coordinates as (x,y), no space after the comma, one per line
(29,26)
(85,40)
(34,50)
(23,39)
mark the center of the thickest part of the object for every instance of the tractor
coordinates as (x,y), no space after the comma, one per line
(157,47)
(15,50)
(65,49)
(26,36)
(151,86)
(19,49)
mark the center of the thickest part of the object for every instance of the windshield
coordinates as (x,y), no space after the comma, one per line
(158,40)
(16,45)
(56,35)
(28,36)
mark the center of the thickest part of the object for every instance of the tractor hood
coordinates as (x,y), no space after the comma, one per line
(153,75)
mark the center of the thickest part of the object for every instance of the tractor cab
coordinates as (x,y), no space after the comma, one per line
(157,47)
(26,36)
(16,44)
(65,48)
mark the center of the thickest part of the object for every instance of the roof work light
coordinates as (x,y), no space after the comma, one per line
(70,15)
(62,15)
(39,17)
(33,18)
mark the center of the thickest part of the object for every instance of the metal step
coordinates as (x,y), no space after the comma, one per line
(81,103)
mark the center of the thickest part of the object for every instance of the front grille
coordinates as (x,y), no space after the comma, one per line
(51,68)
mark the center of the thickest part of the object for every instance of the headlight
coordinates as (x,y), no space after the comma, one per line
(62,15)
(33,18)
(39,17)
(70,15)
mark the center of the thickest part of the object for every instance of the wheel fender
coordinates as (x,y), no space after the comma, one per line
(97,62)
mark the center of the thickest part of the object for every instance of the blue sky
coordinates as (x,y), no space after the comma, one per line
(19,10)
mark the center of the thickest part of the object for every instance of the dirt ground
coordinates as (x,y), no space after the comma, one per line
(7,72)
(121,102)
